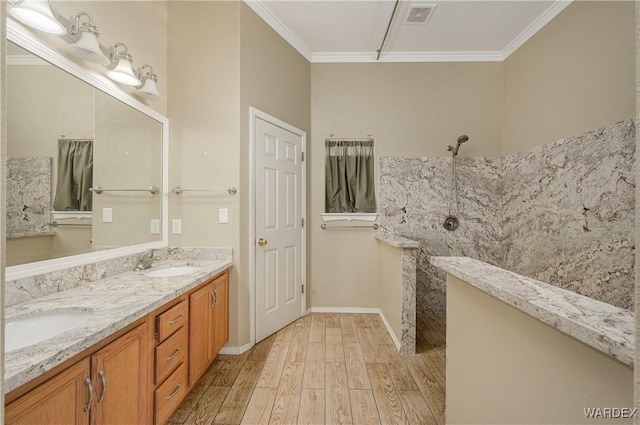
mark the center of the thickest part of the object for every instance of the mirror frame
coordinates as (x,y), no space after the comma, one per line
(17,36)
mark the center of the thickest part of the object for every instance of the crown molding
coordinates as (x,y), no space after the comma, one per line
(390,57)
(28,60)
(285,32)
(542,20)
(274,22)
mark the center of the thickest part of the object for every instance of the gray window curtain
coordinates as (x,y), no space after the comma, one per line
(75,175)
(349,176)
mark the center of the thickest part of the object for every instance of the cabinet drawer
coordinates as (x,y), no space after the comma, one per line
(171,353)
(169,395)
(172,320)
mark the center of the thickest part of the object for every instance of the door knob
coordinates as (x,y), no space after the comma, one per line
(262,241)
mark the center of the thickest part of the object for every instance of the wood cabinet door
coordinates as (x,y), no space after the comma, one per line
(120,375)
(200,331)
(220,313)
(60,400)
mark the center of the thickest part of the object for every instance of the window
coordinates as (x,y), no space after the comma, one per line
(349,176)
(75,175)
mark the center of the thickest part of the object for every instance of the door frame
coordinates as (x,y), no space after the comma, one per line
(254,114)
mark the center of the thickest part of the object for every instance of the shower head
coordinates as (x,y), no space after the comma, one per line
(461,140)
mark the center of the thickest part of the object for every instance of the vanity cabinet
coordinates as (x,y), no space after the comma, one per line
(209,324)
(120,376)
(60,400)
(109,387)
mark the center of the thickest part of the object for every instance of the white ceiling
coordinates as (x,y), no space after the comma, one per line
(352,31)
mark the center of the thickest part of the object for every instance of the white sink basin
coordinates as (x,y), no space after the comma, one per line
(24,331)
(173,271)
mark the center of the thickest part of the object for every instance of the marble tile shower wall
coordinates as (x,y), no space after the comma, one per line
(29,195)
(562,213)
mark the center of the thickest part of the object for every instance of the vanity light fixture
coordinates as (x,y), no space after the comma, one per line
(148,89)
(121,70)
(86,45)
(37,14)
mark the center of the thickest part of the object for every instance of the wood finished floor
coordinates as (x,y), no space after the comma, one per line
(325,369)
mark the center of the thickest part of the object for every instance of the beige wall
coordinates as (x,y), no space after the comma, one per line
(204,104)
(275,79)
(576,74)
(389,291)
(411,110)
(505,367)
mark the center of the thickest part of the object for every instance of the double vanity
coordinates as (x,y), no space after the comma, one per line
(125,348)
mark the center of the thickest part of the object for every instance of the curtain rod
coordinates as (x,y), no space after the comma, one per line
(349,139)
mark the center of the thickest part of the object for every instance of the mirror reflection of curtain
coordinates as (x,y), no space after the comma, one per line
(349,176)
(75,175)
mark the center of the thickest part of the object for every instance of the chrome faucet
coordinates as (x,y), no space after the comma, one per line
(146,260)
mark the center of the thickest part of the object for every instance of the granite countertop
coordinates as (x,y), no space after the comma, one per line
(397,241)
(116,301)
(602,326)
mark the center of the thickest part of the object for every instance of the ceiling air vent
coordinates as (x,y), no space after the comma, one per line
(419,14)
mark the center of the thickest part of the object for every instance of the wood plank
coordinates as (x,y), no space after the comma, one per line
(334,353)
(317,333)
(332,320)
(333,335)
(187,405)
(430,389)
(272,370)
(363,407)
(338,406)
(311,407)
(387,398)
(259,408)
(237,399)
(416,408)
(361,321)
(207,406)
(260,351)
(356,370)
(298,345)
(400,374)
(370,347)
(287,402)
(314,368)
(229,371)
(285,333)
(348,327)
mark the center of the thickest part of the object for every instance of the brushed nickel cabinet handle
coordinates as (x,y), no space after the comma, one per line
(173,394)
(171,356)
(87,381)
(176,320)
(213,299)
(104,385)
(215,293)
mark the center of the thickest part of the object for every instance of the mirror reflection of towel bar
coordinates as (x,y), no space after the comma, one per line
(98,190)
(180,190)
(56,224)
(324,226)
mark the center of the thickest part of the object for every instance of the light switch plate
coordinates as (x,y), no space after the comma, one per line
(176,226)
(155,226)
(107,215)
(223,215)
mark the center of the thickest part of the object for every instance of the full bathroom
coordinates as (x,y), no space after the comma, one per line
(179,237)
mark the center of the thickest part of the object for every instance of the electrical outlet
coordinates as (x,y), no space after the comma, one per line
(107,215)
(223,215)
(155,226)
(176,226)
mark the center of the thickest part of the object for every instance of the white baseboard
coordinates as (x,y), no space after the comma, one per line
(374,310)
(343,310)
(236,351)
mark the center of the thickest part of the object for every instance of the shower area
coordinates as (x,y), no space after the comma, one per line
(561,213)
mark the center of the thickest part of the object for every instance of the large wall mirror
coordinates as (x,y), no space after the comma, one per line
(67,137)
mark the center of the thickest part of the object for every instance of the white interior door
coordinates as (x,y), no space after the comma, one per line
(278,228)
